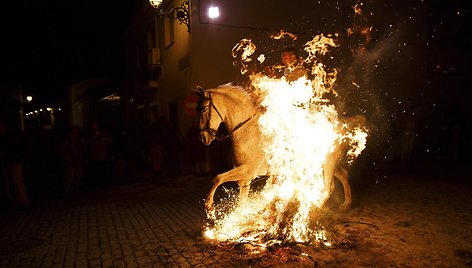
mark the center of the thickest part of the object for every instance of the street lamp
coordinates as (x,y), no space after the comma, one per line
(182,13)
(155,3)
(22,99)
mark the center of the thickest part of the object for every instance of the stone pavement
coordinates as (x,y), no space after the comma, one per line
(396,222)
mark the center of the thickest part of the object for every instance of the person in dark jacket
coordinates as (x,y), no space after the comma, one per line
(12,157)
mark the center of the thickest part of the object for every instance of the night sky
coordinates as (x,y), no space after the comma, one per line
(48,45)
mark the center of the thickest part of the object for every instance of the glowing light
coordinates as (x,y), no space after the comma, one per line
(29,98)
(49,109)
(213,12)
(155,3)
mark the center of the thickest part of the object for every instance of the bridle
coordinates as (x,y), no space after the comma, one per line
(214,132)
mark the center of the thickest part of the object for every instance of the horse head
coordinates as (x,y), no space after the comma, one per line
(209,116)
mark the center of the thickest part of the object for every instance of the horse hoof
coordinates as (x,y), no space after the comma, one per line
(344,207)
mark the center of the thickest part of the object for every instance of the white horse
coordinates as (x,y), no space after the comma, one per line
(232,106)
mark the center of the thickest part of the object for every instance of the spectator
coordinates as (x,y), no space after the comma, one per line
(171,144)
(98,156)
(155,154)
(3,158)
(71,150)
(198,154)
(12,154)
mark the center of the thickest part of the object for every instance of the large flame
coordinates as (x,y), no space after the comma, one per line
(300,128)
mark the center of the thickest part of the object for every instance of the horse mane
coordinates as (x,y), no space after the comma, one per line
(237,93)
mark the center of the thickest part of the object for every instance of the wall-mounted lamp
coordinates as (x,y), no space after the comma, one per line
(182,13)
(213,12)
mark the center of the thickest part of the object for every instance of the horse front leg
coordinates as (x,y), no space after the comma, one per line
(236,174)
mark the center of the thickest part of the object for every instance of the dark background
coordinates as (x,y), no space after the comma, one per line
(47,45)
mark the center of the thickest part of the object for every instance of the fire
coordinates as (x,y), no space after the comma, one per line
(245,48)
(360,26)
(282,34)
(357,141)
(357,9)
(300,129)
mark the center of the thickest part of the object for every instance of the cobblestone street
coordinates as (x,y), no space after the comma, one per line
(396,222)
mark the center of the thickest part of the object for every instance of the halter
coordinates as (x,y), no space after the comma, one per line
(213,132)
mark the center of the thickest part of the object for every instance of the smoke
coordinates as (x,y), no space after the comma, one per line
(368,84)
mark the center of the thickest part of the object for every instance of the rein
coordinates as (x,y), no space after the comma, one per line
(219,136)
(240,125)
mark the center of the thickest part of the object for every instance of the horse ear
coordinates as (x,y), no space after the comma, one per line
(200,90)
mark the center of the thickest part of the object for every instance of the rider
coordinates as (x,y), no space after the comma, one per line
(291,67)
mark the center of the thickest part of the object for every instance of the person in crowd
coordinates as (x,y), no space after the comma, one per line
(98,156)
(171,142)
(3,162)
(198,153)
(12,157)
(155,155)
(71,150)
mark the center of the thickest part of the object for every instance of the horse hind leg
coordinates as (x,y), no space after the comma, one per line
(342,175)
(244,187)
